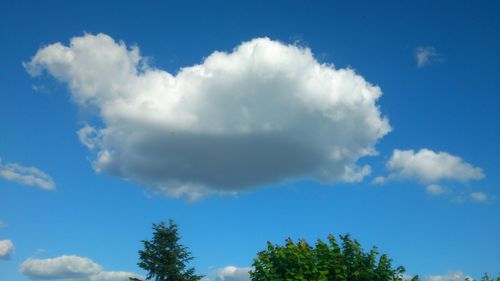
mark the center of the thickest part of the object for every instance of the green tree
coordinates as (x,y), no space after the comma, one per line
(164,258)
(325,261)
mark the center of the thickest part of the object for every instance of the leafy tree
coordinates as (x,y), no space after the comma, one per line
(326,261)
(164,258)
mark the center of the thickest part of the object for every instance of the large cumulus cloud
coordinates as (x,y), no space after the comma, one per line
(262,114)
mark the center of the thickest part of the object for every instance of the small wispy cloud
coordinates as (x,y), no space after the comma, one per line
(30,176)
(450,276)
(478,196)
(435,189)
(427,55)
(6,248)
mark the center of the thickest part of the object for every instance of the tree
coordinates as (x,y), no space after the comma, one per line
(328,261)
(164,258)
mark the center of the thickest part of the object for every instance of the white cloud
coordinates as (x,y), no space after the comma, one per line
(232,273)
(427,55)
(2,224)
(427,166)
(430,168)
(109,276)
(435,189)
(60,267)
(89,137)
(450,276)
(6,248)
(229,273)
(262,114)
(71,268)
(478,196)
(30,176)
(379,180)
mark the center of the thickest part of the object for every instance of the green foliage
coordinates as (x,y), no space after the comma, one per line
(164,258)
(326,261)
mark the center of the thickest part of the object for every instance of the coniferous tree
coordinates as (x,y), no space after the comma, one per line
(164,258)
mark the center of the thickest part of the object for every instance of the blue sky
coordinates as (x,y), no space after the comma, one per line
(430,198)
